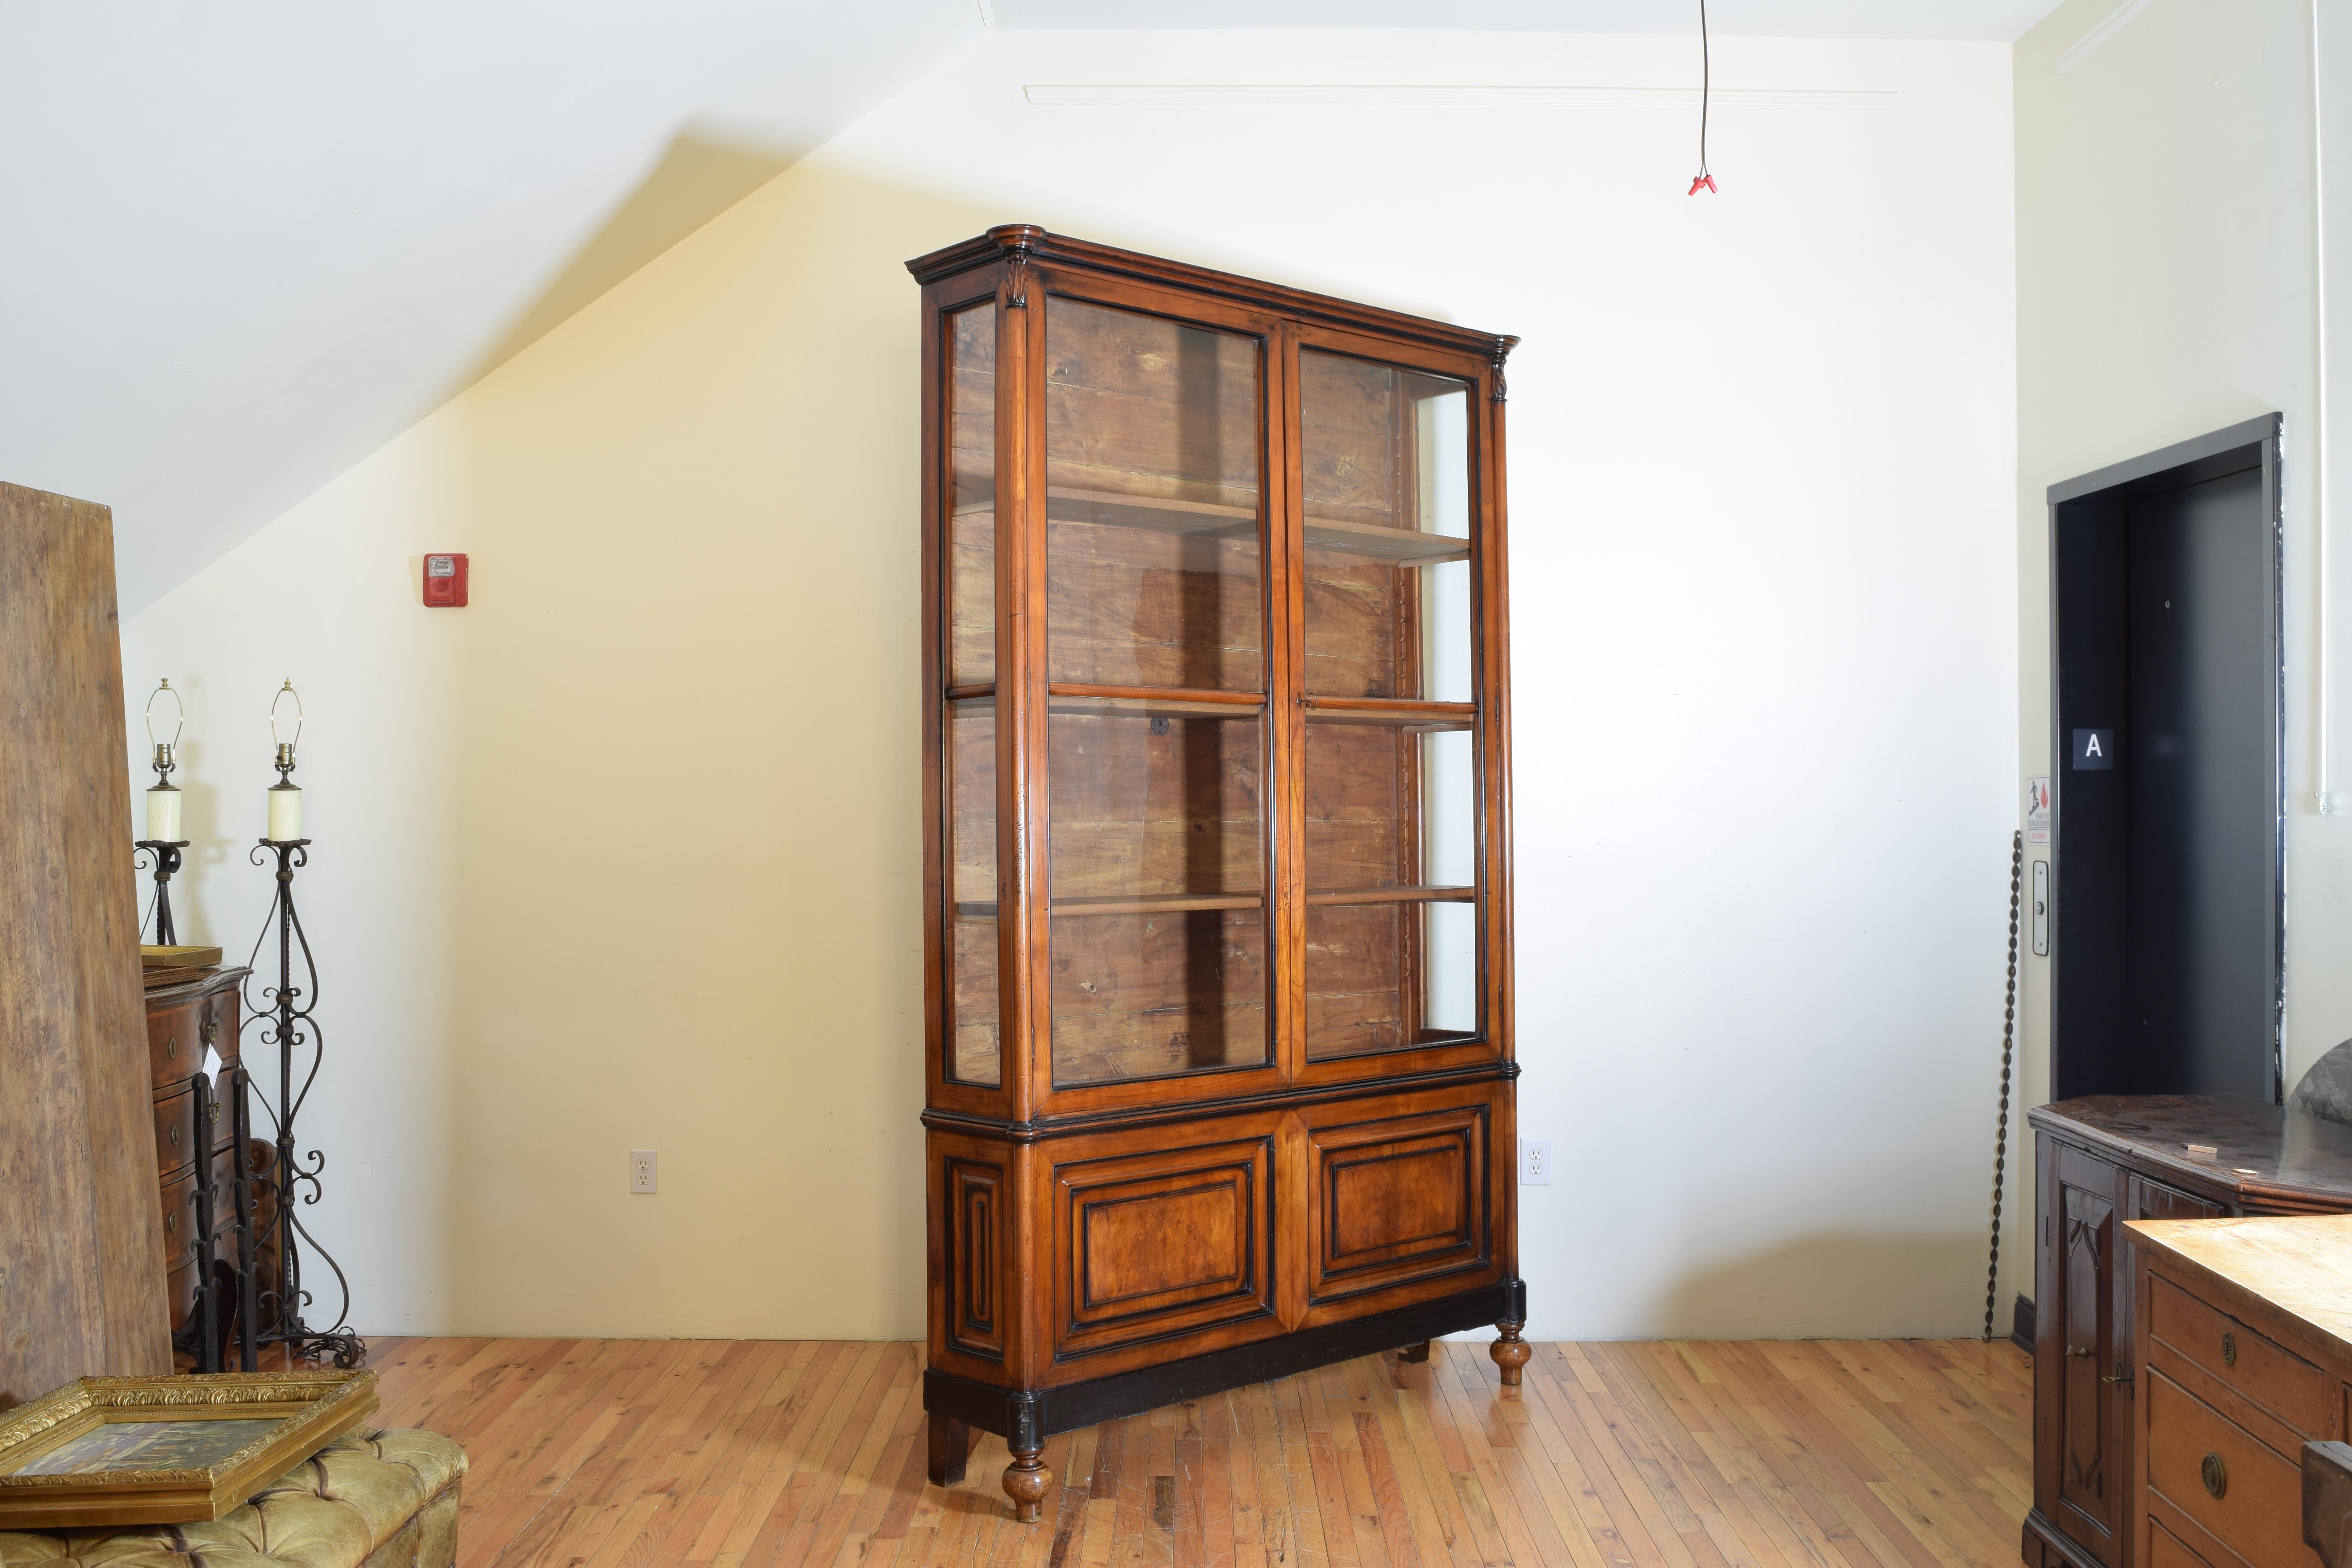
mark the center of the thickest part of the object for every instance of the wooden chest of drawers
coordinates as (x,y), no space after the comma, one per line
(2241,1328)
(184,1022)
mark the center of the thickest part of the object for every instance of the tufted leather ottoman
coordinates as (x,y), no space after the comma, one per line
(368,1499)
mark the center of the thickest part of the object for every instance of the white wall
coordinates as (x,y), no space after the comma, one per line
(2168,286)
(1762,476)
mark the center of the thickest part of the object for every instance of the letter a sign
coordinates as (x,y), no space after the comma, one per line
(2093,749)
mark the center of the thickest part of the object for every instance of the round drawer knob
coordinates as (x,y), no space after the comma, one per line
(2228,1358)
(2216,1475)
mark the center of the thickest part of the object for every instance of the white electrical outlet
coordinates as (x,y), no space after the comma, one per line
(1535,1162)
(644,1172)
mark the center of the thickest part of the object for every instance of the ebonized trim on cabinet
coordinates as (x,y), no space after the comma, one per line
(1031,1417)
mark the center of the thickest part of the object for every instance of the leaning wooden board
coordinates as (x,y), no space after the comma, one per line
(78,1227)
(2244,1337)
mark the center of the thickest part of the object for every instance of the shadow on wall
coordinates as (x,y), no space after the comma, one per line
(697,176)
(698,491)
(1931,1284)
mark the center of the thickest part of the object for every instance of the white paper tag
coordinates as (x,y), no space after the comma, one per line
(2038,814)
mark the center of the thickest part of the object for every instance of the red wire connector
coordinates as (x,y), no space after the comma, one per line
(1706,180)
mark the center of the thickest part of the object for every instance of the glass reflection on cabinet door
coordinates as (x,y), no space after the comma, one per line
(1155,753)
(1393,959)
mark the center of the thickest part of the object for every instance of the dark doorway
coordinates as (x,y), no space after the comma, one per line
(2168,927)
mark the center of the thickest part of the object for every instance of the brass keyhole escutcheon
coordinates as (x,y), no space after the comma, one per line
(212,1111)
(170,1222)
(2216,1475)
(172,1045)
(2228,1358)
(175,1137)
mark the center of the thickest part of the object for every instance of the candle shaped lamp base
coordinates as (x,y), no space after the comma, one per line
(283,1016)
(163,860)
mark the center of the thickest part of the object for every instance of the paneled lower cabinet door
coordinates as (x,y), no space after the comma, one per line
(1162,1237)
(1400,1192)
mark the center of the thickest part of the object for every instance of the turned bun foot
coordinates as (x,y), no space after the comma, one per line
(1414,1353)
(1510,1353)
(1027,1480)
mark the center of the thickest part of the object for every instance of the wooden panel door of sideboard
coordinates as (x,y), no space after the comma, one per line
(2078,1294)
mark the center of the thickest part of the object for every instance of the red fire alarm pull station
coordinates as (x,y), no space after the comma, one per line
(445,581)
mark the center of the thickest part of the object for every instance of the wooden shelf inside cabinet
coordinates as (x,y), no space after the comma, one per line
(1130,702)
(1421,895)
(1126,904)
(1217,520)
(1399,714)
(1159,514)
(1374,541)
(1147,702)
(1152,903)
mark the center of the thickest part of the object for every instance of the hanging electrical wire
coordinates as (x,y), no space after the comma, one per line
(1706,89)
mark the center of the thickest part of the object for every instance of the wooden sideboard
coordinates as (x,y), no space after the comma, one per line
(182,1021)
(2101,1163)
(2243,1337)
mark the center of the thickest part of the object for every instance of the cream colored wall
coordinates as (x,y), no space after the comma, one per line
(2168,286)
(625,855)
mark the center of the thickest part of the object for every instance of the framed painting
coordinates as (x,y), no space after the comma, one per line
(166,1450)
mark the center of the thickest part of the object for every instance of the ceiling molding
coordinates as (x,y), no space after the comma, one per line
(1949,21)
(2118,20)
(1089,95)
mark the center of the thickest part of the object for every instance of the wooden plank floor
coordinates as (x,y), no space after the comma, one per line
(770,1453)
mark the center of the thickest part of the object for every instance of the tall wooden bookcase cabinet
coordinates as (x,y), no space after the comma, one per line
(1217,839)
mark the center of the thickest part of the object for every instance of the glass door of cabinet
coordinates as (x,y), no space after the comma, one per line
(1393,959)
(1156,731)
(971,1050)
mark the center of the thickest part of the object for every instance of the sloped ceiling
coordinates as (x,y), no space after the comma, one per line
(246,243)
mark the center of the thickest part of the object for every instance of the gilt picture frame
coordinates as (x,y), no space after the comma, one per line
(166,1450)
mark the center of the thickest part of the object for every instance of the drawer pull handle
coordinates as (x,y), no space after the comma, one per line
(2216,1476)
(2077,1351)
(211,1031)
(2229,1357)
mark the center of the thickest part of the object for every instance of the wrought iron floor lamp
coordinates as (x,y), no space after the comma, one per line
(285,1021)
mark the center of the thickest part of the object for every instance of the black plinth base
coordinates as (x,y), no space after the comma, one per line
(1025,1419)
